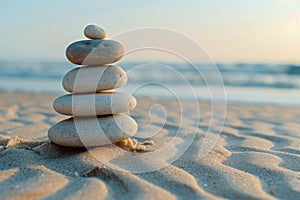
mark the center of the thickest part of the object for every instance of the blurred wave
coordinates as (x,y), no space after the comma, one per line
(240,75)
(45,77)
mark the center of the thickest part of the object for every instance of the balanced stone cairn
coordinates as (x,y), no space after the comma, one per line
(98,117)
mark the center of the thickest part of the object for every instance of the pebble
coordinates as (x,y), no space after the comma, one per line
(94,52)
(102,103)
(87,131)
(94,32)
(103,77)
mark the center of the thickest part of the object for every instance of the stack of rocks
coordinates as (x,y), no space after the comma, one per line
(98,117)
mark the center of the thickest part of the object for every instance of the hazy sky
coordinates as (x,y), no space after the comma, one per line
(230,30)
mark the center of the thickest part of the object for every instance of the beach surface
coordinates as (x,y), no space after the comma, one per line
(257,156)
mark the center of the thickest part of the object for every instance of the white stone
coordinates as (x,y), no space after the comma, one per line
(94,79)
(102,103)
(92,131)
(94,32)
(94,52)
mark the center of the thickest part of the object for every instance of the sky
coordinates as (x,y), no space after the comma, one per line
(230,31)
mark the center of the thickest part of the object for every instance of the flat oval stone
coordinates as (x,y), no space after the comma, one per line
(94,79)
(94,52)
(92,131)
(94,32)
(102,103)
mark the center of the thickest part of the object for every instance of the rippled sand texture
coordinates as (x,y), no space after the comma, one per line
(256,157)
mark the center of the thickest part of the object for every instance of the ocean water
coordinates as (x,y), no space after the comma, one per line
(243,82)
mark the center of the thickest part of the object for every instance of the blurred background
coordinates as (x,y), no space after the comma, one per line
(254,43)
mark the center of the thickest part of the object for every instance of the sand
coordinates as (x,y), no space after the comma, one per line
(257,156)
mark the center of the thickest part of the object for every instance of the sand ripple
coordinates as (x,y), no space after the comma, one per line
(256,157)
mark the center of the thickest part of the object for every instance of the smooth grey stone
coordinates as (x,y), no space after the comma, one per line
(92,131)
(94,52)
(102,103)
(94,32)
(94,79)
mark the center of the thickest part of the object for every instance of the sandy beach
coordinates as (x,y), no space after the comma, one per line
(257,156)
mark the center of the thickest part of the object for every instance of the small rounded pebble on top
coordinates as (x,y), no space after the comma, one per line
(94,32)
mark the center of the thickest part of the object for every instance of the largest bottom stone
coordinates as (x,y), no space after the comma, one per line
(92,131)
